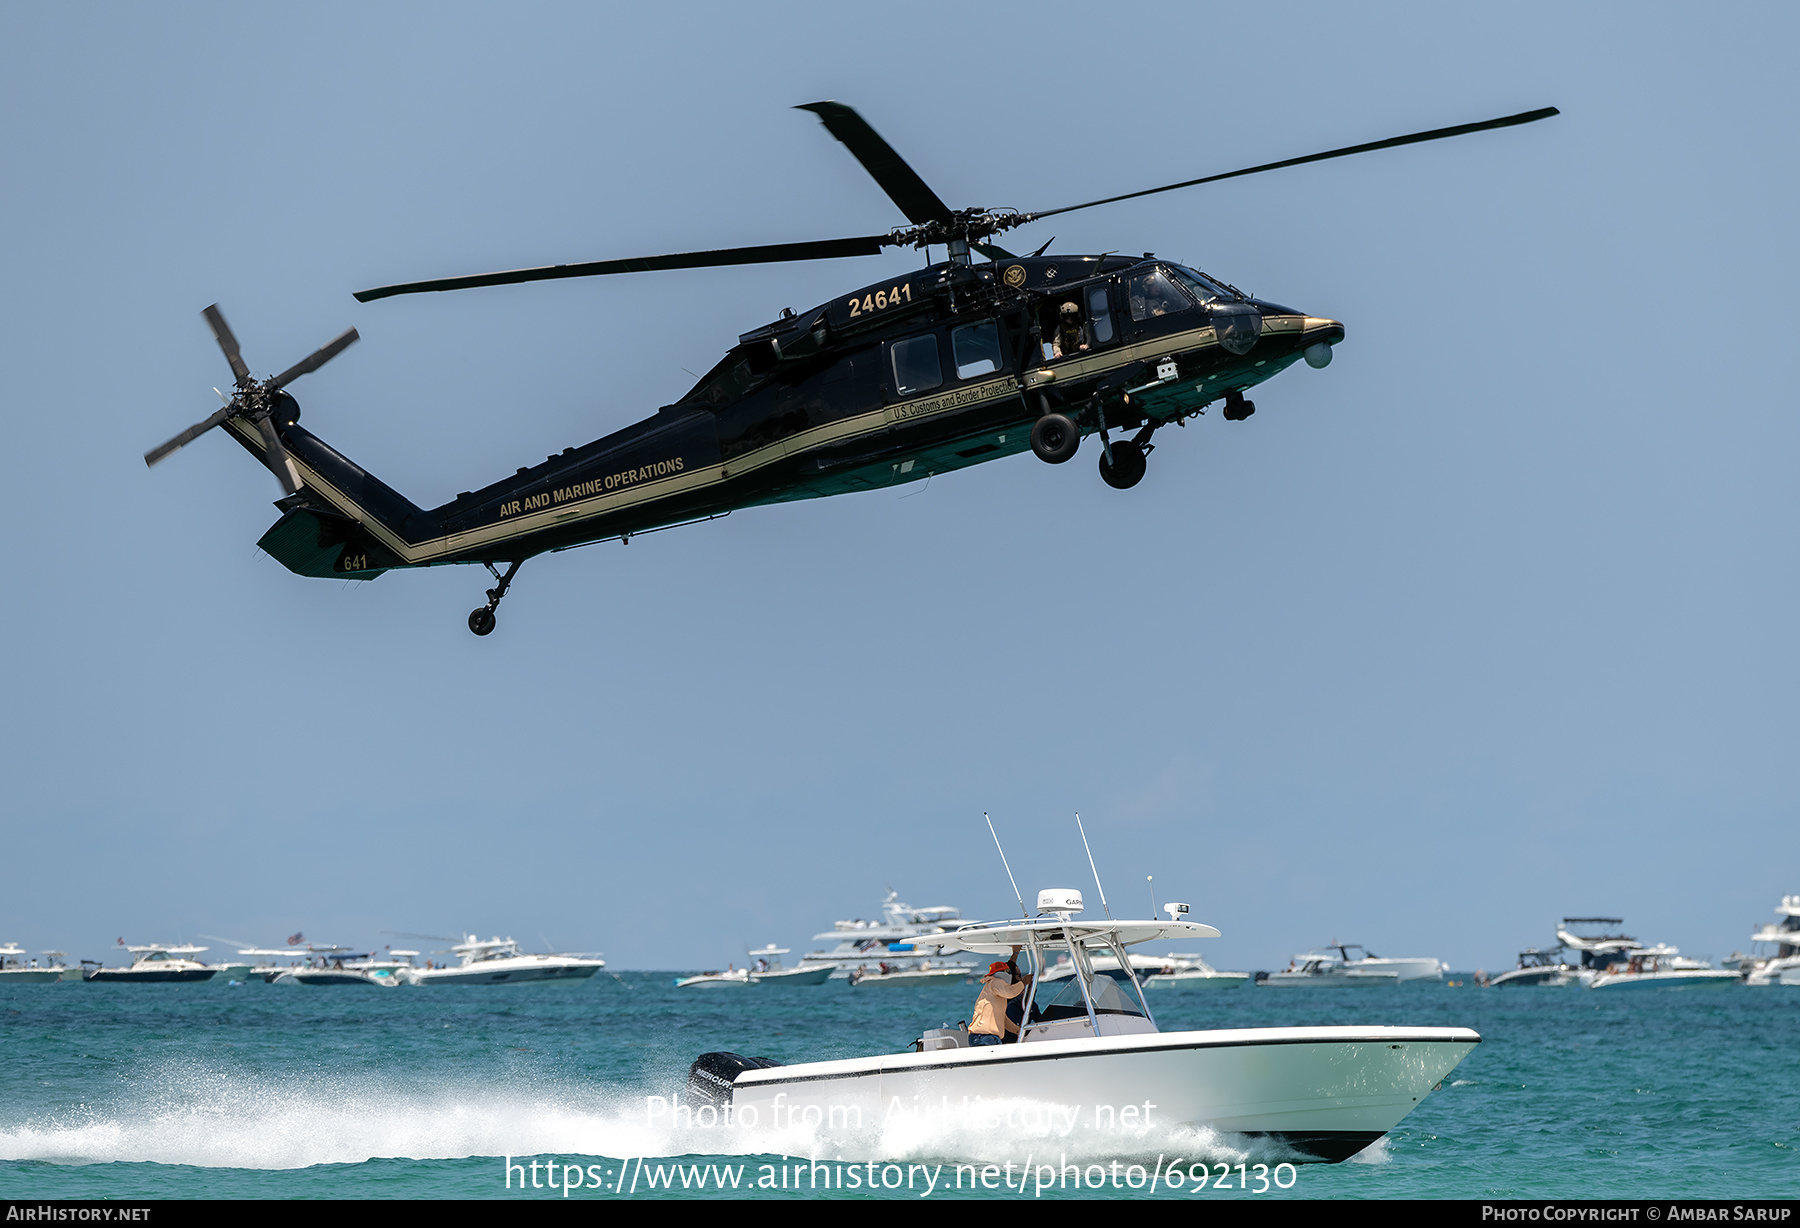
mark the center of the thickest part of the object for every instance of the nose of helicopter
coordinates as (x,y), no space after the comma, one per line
(1317,336)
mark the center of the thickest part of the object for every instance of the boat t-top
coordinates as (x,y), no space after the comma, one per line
(1598,941)
(1090,1042)
(18,968)
(156,963)
(499,961)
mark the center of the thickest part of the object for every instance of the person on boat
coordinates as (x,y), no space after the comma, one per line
(999,987)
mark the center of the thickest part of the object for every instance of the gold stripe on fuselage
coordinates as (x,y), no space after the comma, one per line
(869,423)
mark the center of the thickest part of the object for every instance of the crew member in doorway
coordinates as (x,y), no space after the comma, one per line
(1071,333)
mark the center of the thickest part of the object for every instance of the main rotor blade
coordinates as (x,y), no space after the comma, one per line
(1412,139)
(313,361)
(889,169)
(771,253)
(188,436)
(222,334)
(276,457)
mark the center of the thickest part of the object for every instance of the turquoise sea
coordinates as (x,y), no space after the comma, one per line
(282,1091)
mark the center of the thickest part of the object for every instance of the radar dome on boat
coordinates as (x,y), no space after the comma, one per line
(1065,901)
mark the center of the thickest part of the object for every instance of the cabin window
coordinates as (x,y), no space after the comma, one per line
(916,365)
(977,349)
(1099,313)
(1152,294)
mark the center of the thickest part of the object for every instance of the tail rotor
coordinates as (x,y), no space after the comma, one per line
(260,402)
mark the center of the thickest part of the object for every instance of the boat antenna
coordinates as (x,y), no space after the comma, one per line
(1151,879)
(1009,873)
(1090,853)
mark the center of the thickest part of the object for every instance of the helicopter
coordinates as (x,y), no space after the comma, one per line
(956,364)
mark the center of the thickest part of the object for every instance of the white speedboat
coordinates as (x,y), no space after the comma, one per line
(1783,967)
(1662,967)
(17,968)
(498,961)
(1539,968)
(1091,1048)
(340,966)
(766,969)
(902,938)
(1316,970)
(155,963)
(1191,972)
(888,976)
(1356,958)
(733,976)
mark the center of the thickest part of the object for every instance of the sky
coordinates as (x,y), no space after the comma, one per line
(1488,623)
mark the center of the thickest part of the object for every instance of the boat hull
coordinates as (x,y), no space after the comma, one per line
(1713,978)
(1330,980)
(143,977)
(514,974)
(1327,1092)
(30,976)
(794,976)
(1198,980)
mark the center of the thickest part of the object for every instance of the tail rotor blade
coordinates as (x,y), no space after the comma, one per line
(277,458)
(313,361)
(222,334)
(188,436)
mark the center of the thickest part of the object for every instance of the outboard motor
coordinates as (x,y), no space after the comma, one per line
(712,1074)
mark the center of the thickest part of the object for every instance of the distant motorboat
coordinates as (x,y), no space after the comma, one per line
(1783,967)
(499,961)
(17,968)
(902,938)
(1662,967)
(155,964)
(1192,972)
(766,969)
(922,974)
(1539,968)
(1323,971)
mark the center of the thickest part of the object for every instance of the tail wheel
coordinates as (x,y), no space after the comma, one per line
(1127,467)
(1055,438)
(481,621)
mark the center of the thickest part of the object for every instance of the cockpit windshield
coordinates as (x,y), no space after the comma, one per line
(1111,997)
(1205,287)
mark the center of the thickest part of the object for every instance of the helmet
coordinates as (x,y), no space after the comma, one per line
(1071,309)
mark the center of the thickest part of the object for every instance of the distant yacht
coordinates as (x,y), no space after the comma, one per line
(901,939)
(1783,967)
(499,961)
(155,963)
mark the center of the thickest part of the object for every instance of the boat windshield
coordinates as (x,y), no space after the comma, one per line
(1109,992)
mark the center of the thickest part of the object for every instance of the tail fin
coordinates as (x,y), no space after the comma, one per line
(342,523)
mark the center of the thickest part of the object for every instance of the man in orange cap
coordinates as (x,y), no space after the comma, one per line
(1002,983)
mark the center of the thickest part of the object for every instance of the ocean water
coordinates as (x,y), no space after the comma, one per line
(284,1091)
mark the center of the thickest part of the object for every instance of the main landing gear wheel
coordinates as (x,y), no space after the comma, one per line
(1055,438)
(481,621)
(1127,467)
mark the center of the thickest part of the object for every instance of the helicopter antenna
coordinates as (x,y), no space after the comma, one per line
(1009,873)
(1091,866)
